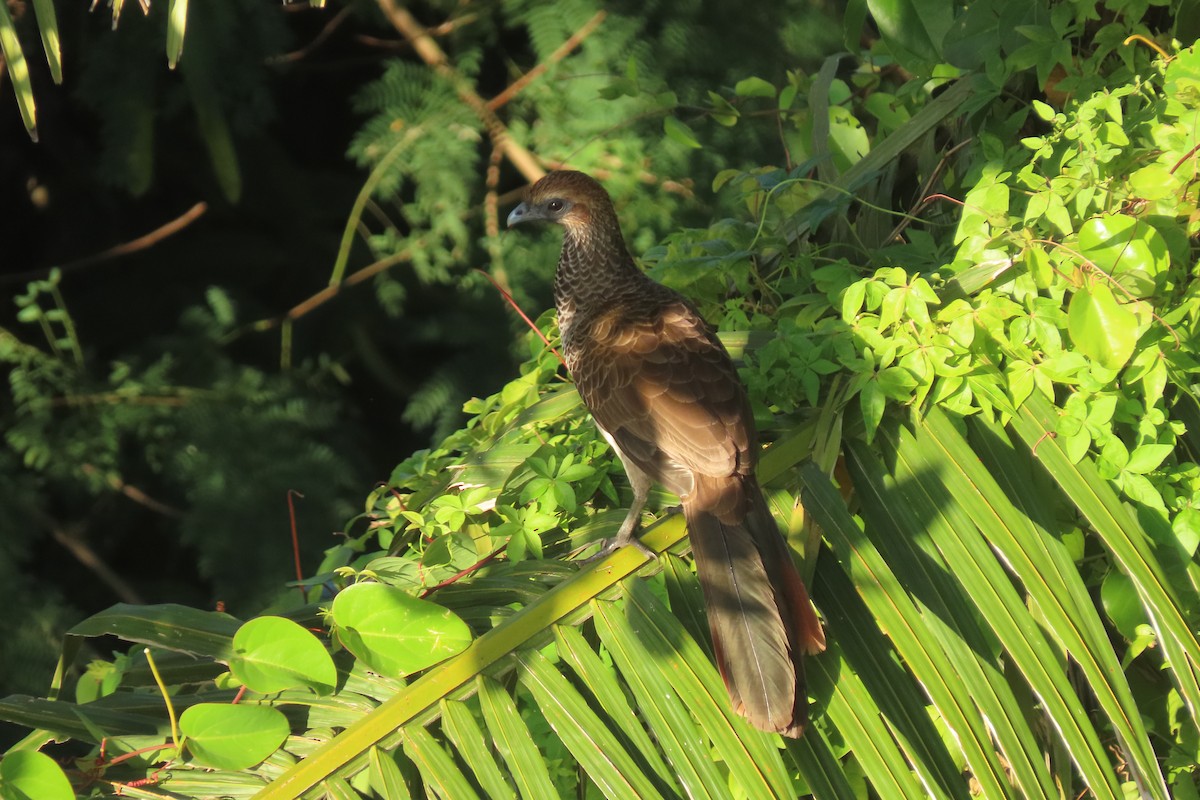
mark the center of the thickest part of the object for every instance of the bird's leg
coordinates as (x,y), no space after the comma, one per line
(627,533)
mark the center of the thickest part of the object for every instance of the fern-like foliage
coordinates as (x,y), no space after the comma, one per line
(198,431)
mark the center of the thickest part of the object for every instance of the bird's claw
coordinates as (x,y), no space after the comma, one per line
(610,546)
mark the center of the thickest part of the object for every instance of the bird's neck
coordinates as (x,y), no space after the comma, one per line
(594,271)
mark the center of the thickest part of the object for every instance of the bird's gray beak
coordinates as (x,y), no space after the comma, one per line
(522,213)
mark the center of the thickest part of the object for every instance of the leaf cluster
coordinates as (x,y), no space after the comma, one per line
(968,320)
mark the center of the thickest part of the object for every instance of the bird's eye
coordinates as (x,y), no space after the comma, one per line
(555,205)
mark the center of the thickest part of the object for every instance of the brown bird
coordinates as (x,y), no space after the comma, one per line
(666,396)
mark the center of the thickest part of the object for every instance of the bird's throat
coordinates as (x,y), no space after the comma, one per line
(594,271)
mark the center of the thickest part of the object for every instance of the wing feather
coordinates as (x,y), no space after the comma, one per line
(663,387)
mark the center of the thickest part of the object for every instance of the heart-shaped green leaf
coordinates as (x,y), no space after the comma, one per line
(28,773)
(232,737)
(1128,249)
(273,654)
(395,633)
(1100,327)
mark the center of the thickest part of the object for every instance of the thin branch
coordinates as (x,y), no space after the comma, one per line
(141,243)
(509,298)
(491,221)
(451,25)
(330,292)
(683,188)
(72,540)
(135,494)
(926,199)
(317,41)
(433,55)
(562,52)
(1185,157)
(291,494)
(483,562)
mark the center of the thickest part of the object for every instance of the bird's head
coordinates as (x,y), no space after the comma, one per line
(571,199)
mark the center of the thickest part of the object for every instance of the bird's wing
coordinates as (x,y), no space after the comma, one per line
(666,391)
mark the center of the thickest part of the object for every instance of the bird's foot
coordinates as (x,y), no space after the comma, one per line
(610,546)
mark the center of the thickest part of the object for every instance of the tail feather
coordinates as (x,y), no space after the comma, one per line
(758,609)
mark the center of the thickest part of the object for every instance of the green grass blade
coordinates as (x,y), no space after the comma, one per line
(438,769)
(902,530)
(891,691)
(338,789)
(751,756)
(601,680)
(512,738)
(1044,568)
(932,492)
(48,27)
(896,614)
(463,731)
(852,708)
(78,722)
(813,756)
(18,71)
(207,634)
(1170,602)
(686,598)
(677,734)
(607,762)
(176,27)
(386,777)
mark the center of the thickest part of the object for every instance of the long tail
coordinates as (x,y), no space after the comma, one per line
(761,620)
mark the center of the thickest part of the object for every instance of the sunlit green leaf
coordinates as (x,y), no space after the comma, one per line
(272,654)
(753,87)
(394,632)
(18,70)
(232,737)
(679,132)
(1101,327)
(1128,249)
(33,775)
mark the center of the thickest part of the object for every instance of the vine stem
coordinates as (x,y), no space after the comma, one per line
(291,494)
(508,297)
(162,687)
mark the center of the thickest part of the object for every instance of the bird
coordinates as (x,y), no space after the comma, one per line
(665,394)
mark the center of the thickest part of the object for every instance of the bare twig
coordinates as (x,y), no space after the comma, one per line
(291,494)
(1185,157)
(491,221)
(483,562)
(317,41)
(135,494)
(433,55)
(509,298)
(445,29)
(330,292)
(71,537)
(141,243)
(926,198)
(562,52)
(682,188)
